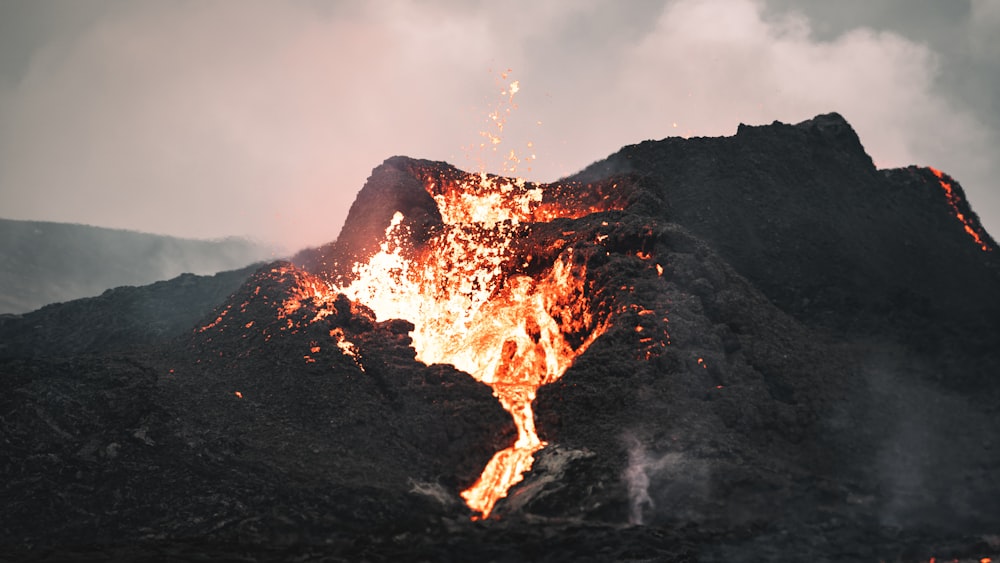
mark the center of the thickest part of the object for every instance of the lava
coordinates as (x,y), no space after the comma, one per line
(470,308)
(953,200)
(469,294)
(346,347)
(493,133)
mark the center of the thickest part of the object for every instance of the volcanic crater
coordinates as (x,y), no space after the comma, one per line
(757,347)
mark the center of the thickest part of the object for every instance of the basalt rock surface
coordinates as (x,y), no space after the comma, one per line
(120,319)
(800,363)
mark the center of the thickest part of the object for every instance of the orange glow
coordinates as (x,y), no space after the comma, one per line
(217,320)
(505,329)
(238,395)
(470,303)
(307,289)
(953,201)
(346,347)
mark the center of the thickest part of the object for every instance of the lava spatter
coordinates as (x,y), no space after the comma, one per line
(472,310)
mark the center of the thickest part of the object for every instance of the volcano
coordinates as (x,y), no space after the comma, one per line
(757,347)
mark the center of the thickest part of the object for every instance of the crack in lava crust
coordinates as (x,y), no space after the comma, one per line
(471,309)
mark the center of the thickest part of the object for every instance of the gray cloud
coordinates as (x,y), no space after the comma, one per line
(261,118)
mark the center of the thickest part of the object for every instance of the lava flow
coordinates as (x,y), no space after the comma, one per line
(953,201)
(470,308)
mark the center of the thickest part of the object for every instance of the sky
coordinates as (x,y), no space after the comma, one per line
(263,118)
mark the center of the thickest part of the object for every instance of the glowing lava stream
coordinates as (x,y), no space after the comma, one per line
(953,201)
(508,331)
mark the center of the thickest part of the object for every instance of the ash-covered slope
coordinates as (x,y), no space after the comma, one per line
(824,313)
(254,426)
(803,214)
(778,352)
(119,320)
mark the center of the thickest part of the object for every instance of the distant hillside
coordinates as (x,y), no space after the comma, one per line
(43,262)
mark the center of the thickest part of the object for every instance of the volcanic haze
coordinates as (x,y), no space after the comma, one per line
(261,119)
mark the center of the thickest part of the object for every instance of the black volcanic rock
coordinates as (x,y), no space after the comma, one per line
(114,452)
(392,187)
(800,363)
(802,213)
(220,436)
(373,411)
(119,320)
(404,185)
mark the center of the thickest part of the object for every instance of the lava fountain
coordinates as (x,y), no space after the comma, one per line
(512,318)
(473,307)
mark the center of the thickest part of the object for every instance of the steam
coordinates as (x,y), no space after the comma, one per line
(637,479)
(435,491)
(642,468)
(922,429)
(925,467)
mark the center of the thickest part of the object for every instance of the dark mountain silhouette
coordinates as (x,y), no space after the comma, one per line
(119,320)
(796,360)
(43,262)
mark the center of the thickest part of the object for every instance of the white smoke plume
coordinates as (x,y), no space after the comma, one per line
(642,469)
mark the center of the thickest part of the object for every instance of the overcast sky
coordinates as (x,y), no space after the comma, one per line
(244,117)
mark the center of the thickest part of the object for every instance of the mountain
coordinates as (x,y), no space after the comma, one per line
(43,262)
(757,347)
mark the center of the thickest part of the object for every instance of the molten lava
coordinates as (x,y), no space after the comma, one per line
(954,200)
(512,319)
(470,308)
